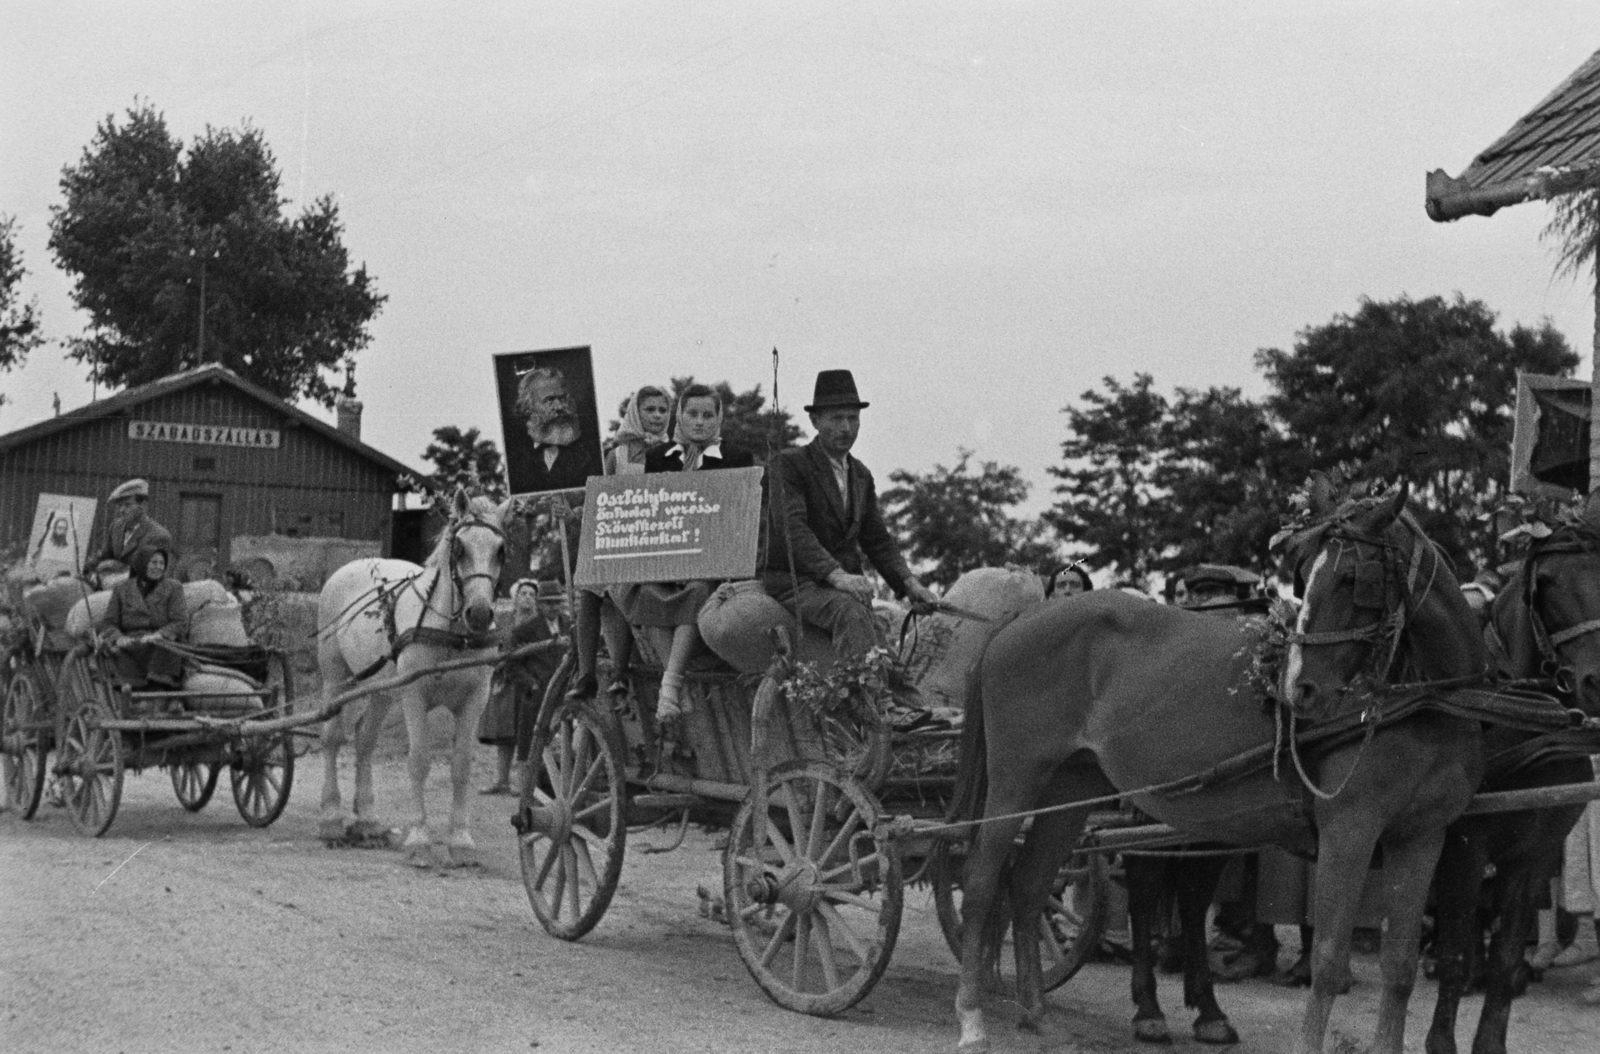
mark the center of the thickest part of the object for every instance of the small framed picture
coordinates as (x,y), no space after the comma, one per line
(548,418)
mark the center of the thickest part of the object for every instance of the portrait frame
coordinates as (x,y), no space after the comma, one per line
(526,470)
(59,541)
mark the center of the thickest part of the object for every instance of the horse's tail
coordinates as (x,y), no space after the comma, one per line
(972,775)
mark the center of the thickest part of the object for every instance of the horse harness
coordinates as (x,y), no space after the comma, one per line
(454,640)
(1378,585)
(1570,539)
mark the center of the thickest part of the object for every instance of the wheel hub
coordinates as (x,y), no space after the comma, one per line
(553,820)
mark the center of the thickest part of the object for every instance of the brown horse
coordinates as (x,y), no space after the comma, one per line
(1110,694)
(1543,625)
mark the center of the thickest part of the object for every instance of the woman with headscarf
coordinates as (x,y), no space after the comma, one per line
(644,425)
(697,446)
(145,608)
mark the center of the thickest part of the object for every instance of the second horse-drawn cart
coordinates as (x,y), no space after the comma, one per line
(69,715)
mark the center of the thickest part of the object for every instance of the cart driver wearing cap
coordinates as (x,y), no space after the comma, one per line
(131,528)
(826,525)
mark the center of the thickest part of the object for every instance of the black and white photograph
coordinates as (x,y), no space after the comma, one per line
(548,419)
(901,526)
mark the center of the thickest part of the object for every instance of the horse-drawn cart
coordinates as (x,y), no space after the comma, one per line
(813,878)
(62,696)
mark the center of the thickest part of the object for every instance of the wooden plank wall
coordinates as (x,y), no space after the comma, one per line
(307,474)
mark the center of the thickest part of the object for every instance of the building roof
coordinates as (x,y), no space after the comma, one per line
(1552,149)
(210,373)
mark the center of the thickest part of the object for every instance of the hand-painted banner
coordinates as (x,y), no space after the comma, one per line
(670,527)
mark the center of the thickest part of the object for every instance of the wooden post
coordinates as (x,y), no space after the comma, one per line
(1594,383)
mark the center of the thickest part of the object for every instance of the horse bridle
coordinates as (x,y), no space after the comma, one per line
(456,578)
(1372,591)
(1570,540)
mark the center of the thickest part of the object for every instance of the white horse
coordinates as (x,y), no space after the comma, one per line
(391,616)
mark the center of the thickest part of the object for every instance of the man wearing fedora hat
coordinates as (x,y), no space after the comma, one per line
(131,527)
(826,525)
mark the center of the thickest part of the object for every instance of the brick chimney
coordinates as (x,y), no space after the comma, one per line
(347,408)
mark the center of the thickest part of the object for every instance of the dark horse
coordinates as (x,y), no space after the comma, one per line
(1544,625)
(1112,694)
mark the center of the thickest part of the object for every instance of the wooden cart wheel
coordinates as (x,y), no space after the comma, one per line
(89,763)
(26,739)
(570,824)
(1075,914)
(262,773)
(194,780)
(814,899)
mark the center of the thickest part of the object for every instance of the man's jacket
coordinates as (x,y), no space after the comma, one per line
(811,522)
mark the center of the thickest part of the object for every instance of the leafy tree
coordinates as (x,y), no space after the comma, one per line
(1422,390)
(952,520)
(1112,502)
(19,321)
(1221,470)
(153,232)
(464,459)
(1575,227)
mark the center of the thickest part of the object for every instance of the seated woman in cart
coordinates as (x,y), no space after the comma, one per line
(697,446)
(146,608)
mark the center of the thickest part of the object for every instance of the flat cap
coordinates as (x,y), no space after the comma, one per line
(134,488)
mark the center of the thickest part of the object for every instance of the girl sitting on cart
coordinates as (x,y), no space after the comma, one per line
(145,608)
(697,447)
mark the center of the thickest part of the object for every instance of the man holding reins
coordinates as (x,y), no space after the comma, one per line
(826,525)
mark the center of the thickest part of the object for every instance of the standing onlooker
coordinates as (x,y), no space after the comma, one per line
(507,722)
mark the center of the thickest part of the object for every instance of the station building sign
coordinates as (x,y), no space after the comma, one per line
(670,526)
(205,435)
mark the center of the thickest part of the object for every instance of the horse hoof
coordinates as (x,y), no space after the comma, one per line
(333,831)
(463,856)
(1151,1030)
(1219,1032)
(976,1046)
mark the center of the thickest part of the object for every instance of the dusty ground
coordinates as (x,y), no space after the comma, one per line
(179,932)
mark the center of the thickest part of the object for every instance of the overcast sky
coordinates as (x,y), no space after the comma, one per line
(980,208)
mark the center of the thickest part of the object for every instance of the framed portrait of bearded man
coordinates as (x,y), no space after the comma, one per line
(548,418)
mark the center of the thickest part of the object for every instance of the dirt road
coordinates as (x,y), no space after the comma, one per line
(179,932)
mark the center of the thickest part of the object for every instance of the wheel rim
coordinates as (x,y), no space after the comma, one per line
(91,773)
(194,782)
(1075,913)
(571,834)
(814,900)
(24,746)
(262,774)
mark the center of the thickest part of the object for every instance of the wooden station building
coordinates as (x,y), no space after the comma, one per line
(223,456)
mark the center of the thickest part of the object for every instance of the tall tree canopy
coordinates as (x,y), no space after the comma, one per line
(151,231)
(19,320)
(952,520)
(464,458)
(1422,390)
(1112,503)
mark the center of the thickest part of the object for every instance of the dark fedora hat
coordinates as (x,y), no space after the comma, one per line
(836,390)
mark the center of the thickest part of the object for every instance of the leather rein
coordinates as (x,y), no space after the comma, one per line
(1569,540)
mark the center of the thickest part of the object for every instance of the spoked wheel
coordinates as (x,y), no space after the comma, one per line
(194,780)
(570,823)
(89,763)
(1074,916)
(814,899)
(262,773)
(25,736)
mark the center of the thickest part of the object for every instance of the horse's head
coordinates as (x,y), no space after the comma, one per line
(1550,618)
(474,551)
(1377,596)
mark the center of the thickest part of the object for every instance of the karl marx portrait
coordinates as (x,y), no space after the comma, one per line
(554,442)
